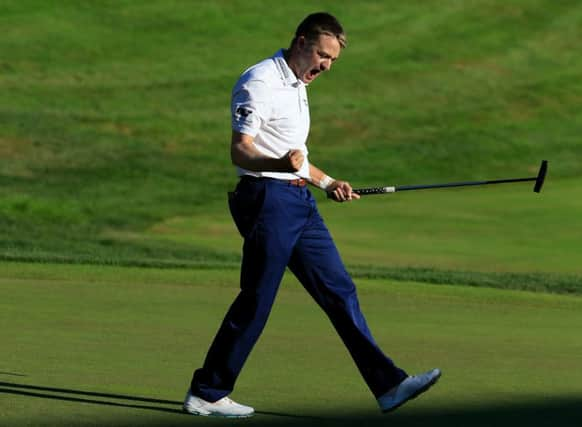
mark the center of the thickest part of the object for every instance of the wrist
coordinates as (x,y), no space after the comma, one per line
(325,182)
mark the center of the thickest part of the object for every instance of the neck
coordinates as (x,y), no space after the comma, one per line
(289,59)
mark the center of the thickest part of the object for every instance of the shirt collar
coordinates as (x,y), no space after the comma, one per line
(285,72)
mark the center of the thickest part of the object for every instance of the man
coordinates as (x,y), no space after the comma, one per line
(278,219)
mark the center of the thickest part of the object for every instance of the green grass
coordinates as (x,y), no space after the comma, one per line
(501,236)
(110,336)
(114,123)
(118,257)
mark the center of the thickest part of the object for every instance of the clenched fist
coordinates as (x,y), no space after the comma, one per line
(293,160)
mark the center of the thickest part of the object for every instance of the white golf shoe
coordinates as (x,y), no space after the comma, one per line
(408,389)
(224,407)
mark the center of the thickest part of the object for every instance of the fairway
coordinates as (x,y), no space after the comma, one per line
(86,345)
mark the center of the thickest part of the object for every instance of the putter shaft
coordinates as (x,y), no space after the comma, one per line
(539,182)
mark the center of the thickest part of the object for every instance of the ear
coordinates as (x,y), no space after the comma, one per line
(301,42)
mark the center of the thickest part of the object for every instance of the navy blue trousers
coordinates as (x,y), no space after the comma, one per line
(282,228)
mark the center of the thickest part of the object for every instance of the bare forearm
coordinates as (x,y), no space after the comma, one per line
(248,157)
(245,154)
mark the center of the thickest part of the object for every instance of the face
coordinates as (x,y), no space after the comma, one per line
(313,58)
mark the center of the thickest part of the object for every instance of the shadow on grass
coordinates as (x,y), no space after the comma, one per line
(550,412)
(118,400)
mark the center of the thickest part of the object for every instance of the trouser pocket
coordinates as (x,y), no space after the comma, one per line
(245,204)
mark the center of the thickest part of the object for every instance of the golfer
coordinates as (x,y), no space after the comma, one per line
(277,216)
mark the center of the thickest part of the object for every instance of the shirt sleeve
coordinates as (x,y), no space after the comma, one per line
(250,107)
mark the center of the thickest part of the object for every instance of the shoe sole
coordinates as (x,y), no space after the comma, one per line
(416,394)
(198,414)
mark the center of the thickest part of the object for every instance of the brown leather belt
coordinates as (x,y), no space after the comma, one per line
(298,182)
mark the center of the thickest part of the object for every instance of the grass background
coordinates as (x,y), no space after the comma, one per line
(117,250)
(115,127)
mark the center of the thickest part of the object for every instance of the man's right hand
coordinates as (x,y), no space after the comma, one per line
(293,160)
(245,154)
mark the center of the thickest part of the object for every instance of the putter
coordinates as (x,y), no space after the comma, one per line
(539,182)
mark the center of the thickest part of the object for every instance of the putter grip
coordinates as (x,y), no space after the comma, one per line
(370,191)
(366,191)
(361,191)
(374,190)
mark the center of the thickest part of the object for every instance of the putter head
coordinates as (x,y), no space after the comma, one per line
(541,176)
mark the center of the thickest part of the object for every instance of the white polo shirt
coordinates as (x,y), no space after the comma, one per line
(270,104)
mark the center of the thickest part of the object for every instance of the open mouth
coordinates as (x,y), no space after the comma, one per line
(313,73)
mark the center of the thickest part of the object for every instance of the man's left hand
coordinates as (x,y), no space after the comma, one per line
(341,191)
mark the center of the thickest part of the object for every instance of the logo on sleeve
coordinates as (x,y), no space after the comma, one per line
(241,111)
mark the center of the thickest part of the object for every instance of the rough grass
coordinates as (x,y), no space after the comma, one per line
(114,121)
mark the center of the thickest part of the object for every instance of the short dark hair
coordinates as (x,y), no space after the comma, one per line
(320,23)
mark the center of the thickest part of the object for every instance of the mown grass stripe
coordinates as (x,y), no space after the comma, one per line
(534,282)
